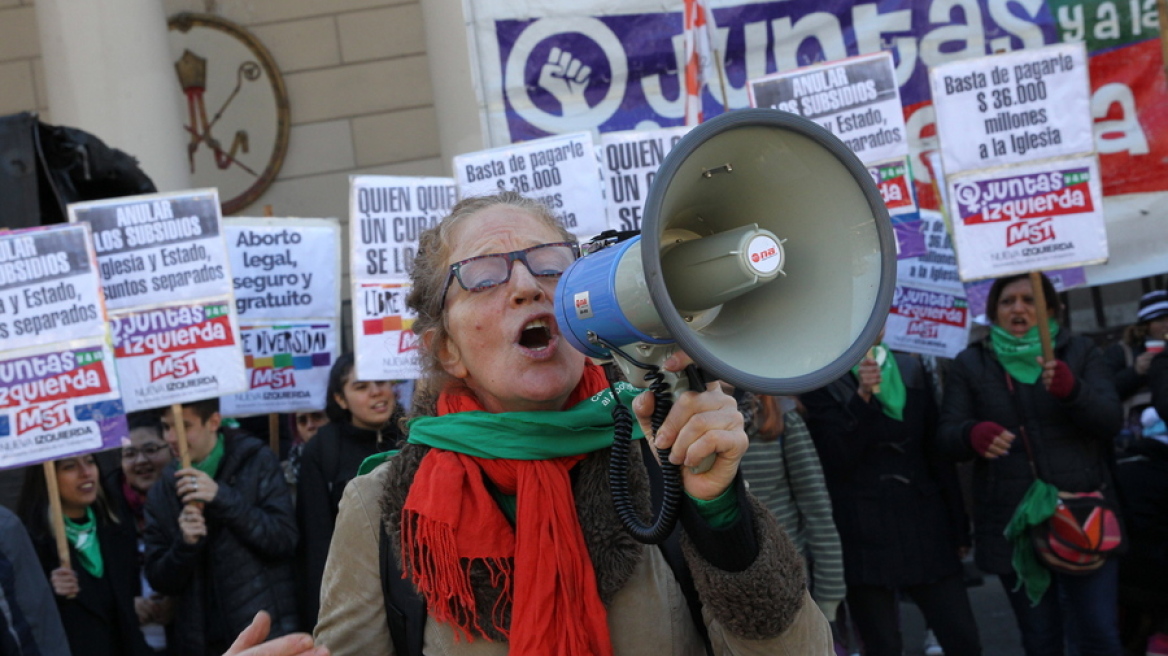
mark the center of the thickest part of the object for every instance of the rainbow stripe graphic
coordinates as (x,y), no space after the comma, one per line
(386,325)
(286,360)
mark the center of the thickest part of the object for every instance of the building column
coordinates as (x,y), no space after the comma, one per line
(460,127)
(109,71)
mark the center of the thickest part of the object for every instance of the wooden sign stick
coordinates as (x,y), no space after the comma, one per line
(56,516)
(180,430)
(1043,321)
(274,433)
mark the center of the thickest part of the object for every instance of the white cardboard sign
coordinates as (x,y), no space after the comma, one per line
(284,269)
(1015,107)
(629,161)
(158,248)
(559,171)
(387,214)
(1027,218)
(927,322)
(856,99)
(287,368)
(384,341)
(49,287)
(178,353)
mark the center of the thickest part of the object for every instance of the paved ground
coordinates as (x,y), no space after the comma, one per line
(999,633)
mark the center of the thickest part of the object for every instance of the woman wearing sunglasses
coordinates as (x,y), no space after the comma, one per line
(498,510)
(362,421)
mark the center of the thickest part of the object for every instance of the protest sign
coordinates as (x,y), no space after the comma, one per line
(856,99)
(284,268)
(58,401)
(178,353)
(937,268)
(1028,217)
(387,214)
(927,322)
(1012,108)
(385,344)
(158,248)
(49,287)
(287,368)
(629,161)
(894,181)
(560,171)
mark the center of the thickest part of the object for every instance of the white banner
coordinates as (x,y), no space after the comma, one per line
(58,401)
(178,354)
(937,268)
(1047,215)
(49,287)
(559,171)
(387,214)
(927,322)
(384,341)
(857,99)
(629,160)
(287,367)
(159,248)
(283,268)
(1012,108)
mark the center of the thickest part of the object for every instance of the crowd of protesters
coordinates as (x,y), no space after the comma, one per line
(861,475)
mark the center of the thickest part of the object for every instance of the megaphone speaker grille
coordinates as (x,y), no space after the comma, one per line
(796,180)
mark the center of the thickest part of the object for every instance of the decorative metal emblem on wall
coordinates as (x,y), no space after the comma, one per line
(237,121)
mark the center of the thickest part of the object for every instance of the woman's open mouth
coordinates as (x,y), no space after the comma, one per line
(536,335)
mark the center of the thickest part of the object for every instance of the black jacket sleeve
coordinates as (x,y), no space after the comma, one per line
(1158,382)
(1127,381)
(267,526)
(170,562)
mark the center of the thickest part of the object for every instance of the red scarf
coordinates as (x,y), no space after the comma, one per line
(542,565)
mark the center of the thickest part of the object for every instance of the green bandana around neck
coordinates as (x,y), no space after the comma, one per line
(83,536)
(210,464)
(1018,355)
(583,428)
(892,393)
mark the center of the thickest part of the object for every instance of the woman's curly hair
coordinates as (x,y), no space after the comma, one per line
(430,270)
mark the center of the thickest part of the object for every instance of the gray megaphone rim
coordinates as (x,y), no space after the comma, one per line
(689,341)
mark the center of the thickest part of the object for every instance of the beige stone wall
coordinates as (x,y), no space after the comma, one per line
(358,83)
(22,86)
(359,89)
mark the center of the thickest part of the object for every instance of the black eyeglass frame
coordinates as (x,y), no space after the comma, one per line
(521,255)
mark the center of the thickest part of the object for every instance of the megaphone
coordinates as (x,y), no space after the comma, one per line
(766,254)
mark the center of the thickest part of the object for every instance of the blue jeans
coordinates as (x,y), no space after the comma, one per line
(1077,615)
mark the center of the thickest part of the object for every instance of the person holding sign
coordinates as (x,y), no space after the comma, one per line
(1131,357)
(95,596)
(361,416)
(498,509)
(897,504)
(220,535)
(1021,416)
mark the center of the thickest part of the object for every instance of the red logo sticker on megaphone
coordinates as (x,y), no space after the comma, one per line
(765,254)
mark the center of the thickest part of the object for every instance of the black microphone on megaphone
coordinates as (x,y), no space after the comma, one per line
(766,254)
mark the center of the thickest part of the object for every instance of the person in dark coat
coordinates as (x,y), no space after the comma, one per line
(31,624)
(95,596)
(220,536)
(143,460)
(1071,414)
(1129,359)
(362,422)
(897,505)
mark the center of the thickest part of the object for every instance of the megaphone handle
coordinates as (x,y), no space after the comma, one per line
(694,380)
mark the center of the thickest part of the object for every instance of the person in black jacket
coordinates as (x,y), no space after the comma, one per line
(1070,413)
(95,596)
(897,505)
(220,536)
(362,422)
(1129,359)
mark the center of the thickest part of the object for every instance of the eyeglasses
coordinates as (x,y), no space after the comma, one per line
(483,272)
(148,450)
(314,417)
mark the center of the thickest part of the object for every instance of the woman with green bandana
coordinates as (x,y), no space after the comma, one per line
(1069,411)
(896,503)
(96,596)
(498,510)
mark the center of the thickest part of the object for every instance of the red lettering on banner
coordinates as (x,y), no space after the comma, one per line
(408,341)
(43,417)
(926,329)
(1032,232)
(1134,155)
(273,378)
(174,366)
